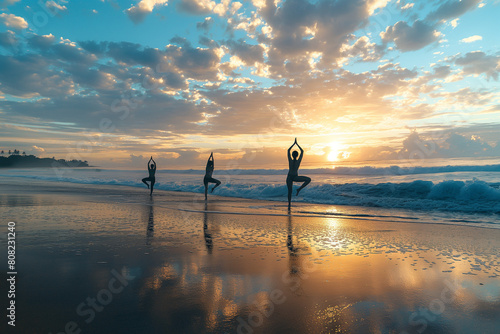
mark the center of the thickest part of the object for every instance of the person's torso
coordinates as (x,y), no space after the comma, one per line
(293,167)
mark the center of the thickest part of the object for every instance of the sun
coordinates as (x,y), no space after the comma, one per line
(335,150)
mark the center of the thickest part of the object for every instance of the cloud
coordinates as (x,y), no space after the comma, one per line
(248,53)
(452,9)
(42,42)
(206,24)
(6,3)
(477,62)
(139,12)
(417,148)
(13,21)
(56,7)
(197,7)
(188,91)
(410,38)
(38,149)
(407,6)
(441,72)
(197,63)
(31,75)
(364,49)
(296,31)
(471,39)
(133,53)
(8,39)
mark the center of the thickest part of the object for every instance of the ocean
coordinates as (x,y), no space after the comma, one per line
(454,194)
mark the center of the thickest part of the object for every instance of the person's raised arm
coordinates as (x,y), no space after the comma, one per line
(289,149)
(209,159)
(154,163)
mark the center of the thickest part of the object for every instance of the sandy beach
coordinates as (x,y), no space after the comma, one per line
(109,259)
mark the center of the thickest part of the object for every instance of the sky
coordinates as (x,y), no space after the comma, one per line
(115,82)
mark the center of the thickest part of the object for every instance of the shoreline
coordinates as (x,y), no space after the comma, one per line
(305,209)
(212,271)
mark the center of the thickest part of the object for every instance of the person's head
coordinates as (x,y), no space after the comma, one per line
(295,154)
(153,165)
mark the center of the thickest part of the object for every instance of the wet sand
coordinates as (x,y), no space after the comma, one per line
(109,259)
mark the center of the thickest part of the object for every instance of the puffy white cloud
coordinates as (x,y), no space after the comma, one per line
(471,39)
(139,12)
(38,149)
(13,21)
(223,8)
(407,6)
(55,7)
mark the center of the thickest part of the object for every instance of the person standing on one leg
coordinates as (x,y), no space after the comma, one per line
(151,178)
(293,172)
(208,175)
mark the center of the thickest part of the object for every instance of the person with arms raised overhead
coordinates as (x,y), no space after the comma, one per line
(208,175)
(151,178)
(293,171)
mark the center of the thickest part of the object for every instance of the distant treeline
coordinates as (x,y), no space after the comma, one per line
(27,161)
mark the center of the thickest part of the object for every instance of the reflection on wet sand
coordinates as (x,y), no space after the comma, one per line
(150,230)
(207,235)
(331,275)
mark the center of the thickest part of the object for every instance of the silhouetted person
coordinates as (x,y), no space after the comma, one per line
(151,178)
(206,233)
(208,175)
(293,172)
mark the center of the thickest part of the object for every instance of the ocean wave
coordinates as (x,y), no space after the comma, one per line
(473,196)
(363,170)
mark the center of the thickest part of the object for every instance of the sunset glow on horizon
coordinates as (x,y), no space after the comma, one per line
(114,82)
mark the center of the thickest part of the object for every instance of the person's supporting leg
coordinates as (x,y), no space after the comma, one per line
(152,186)
(289,184)
(304,179)
(217,183)
(144,180)
(205,182)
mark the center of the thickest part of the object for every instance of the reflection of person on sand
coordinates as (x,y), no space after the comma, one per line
(151,224)
(151,178)
(206,234)
(298,263)
(292,250)
(293,172)
(208,175)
